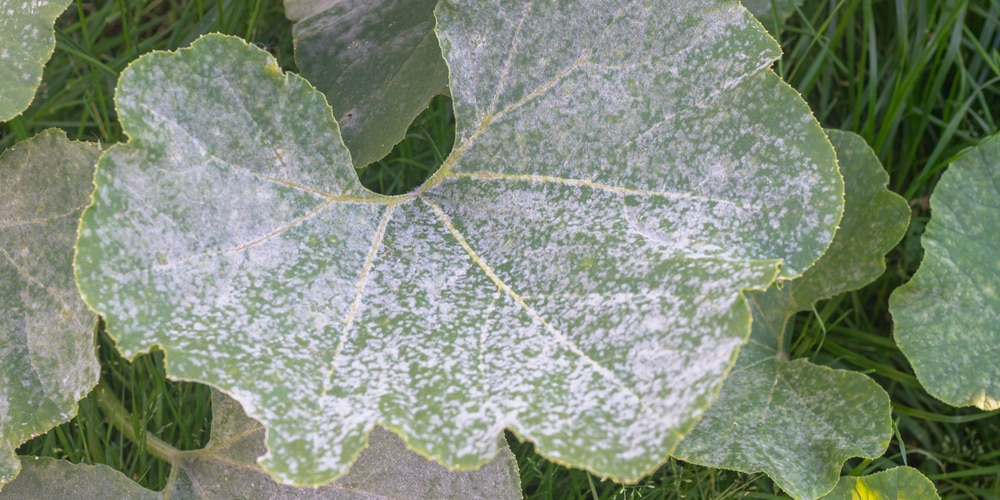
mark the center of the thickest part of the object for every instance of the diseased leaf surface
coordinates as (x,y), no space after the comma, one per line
(226,468)
(946,318)
(900,483)
(794,420)
(26,42)
(377,62)
(46,331)
(573,272)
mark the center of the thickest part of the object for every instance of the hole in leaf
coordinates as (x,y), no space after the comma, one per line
(427,143)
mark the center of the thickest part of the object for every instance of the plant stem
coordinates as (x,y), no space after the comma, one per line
(119,417)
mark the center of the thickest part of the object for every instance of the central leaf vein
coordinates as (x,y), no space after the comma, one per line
(520,301)
(352,311)
(550,179)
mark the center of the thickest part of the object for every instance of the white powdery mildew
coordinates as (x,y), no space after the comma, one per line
(576,280)
(237,253)
(630,112)
(768,187)
(619,246)
(252,312)
(617,294)
(25,27)
(413,356)
(553,396)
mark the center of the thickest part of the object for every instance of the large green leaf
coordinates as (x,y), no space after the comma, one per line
(46,331)
(794,420)
(900,483)
(26,42)
(946,318)
(378,62)
(575,271)
(225,468)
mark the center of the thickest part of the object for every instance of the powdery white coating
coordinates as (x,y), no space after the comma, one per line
(613,104)
(47,358)
(661,325)
(26,42)
(583,290)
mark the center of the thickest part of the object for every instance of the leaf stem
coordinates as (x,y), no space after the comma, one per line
(119,417)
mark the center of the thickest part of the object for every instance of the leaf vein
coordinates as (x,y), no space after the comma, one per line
(559,336)
(550,179)
(505,72)
(352,311)
(176,126)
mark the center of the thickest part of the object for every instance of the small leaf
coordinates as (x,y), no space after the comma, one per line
(900,483)
(225,468)
(46,331)
(794,420)
(26,42)
(947,316)
(575,271)
(377,61)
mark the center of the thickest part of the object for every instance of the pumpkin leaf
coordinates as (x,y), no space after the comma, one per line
(575,270)
(794,420)
(377,62)
(946,317)
(226,468)
(900,483)
(46,331)
(26,43)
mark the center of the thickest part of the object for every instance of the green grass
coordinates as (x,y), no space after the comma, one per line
(918,79)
